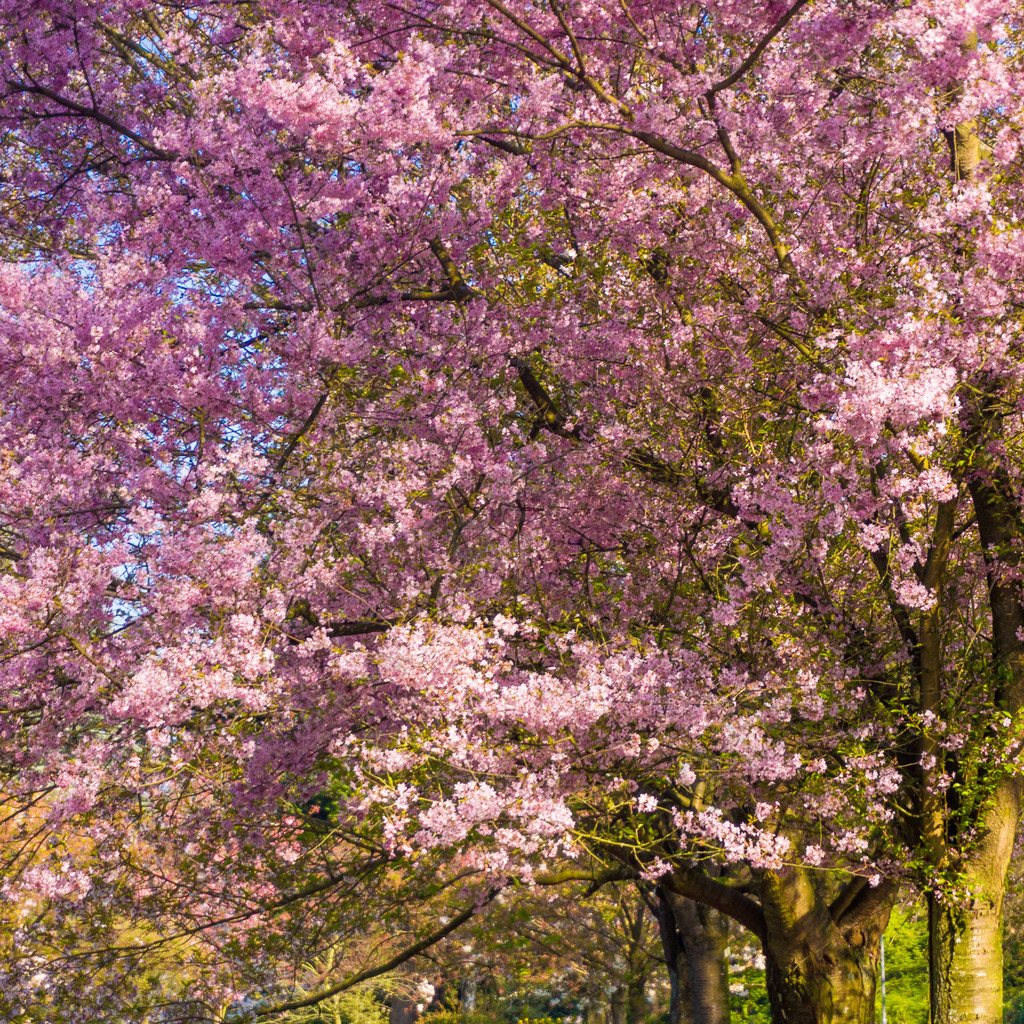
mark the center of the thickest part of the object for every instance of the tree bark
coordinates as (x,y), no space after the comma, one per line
(703,935)
(618,1005)
(675,961)
(636,1001)
(966,939)
(467,993)
(821,956)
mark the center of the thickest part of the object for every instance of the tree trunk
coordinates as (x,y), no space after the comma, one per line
(966,938)
(636,1000)
(618,1005)
(467,993)
(703,935)
(821,956)
(675,961)
(685,991)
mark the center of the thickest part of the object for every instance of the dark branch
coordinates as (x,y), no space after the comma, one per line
(758,50)
(389,965)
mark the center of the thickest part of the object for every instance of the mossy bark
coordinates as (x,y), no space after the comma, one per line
(966,938)
(821,953)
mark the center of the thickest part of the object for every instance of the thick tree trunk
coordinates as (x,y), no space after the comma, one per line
(703,934)
(814,984)
(966,938)
(820,957)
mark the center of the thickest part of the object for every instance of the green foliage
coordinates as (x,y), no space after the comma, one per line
(356,1006)
(529,1004)
(748,996)
(1013,946)
(494,1015)
(1013,973)
(461,1017)
(1013,1008)
(906,968)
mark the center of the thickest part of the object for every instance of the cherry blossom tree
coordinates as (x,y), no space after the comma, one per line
(547,441)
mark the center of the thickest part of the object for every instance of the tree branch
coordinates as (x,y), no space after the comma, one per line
(758,50)
(389,965)
(550,418)
(456,282)
(696,885)
(619,873)
(80,110)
